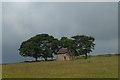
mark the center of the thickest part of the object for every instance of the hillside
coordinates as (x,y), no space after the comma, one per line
(93,67)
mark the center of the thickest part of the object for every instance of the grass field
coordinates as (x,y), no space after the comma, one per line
(93,67)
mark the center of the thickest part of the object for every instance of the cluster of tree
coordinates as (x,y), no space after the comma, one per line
(44,45)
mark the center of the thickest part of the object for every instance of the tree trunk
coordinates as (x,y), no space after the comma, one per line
(86,56)
(45,58)
(36,59)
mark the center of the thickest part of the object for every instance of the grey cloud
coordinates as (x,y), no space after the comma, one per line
(23,20)
(0,33)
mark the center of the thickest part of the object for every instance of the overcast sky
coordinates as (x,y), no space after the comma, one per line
(1,33)
(22,20)
(60,0)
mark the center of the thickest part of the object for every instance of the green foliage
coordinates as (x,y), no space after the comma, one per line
(37,46)
(44,45)
(69,44)
(84,44)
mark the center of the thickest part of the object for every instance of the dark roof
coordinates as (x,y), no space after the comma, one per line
(62,51)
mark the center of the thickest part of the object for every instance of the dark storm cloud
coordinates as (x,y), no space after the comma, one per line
(23,20)
(0,33)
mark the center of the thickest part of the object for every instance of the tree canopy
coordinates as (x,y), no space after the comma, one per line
(84,44)
(40,45)
(44,45)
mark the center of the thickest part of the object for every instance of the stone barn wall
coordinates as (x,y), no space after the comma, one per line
(63,57)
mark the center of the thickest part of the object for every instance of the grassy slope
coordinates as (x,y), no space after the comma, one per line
(93,67)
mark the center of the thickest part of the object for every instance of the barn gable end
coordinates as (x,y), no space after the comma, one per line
(63,55)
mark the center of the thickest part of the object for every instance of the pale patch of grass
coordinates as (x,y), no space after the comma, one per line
(93,67)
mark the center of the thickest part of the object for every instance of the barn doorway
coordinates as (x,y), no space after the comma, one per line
(64,57)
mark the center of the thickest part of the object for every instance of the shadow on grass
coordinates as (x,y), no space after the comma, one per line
(38,61)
